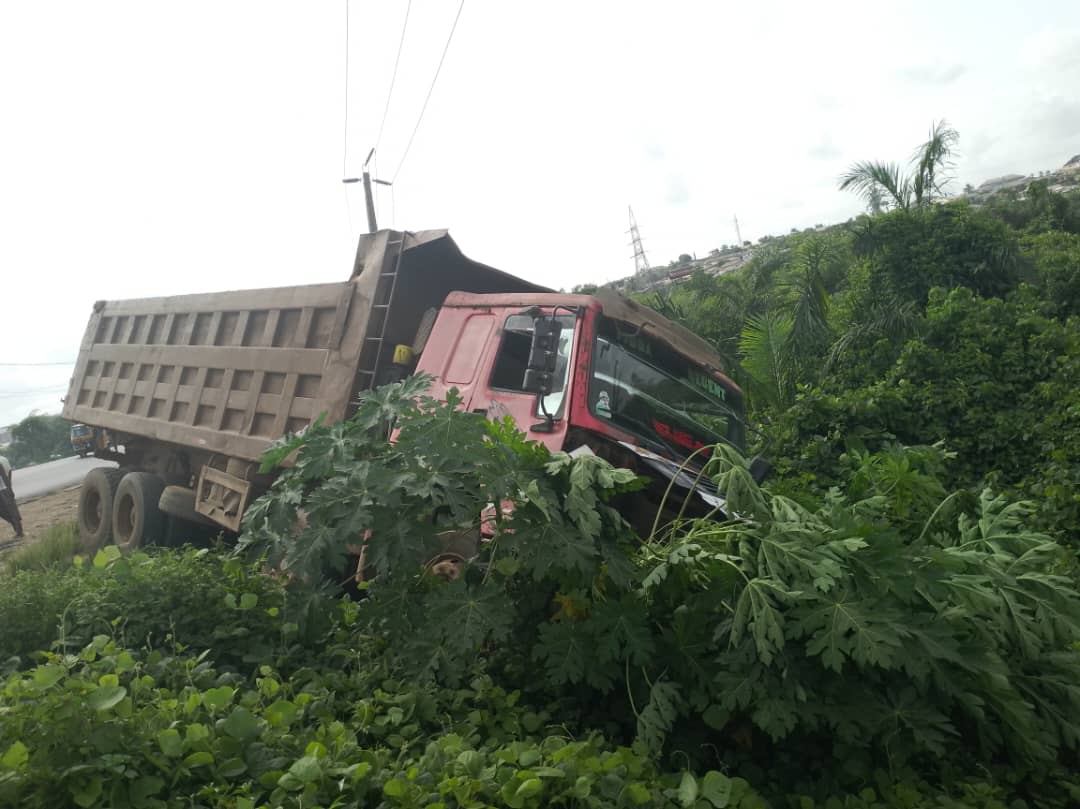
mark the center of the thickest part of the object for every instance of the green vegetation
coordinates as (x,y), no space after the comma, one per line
(37,439)
(57,546)
(887,644)
(892,621)
(930,323)
(884,185)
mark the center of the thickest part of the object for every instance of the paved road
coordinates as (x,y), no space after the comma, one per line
(34,481)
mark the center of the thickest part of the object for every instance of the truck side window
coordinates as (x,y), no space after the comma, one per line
(508,372)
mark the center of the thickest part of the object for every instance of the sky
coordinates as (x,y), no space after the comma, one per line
(158,148)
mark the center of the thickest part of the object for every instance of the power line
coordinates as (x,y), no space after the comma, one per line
(32,364)
(345,147)
(428,96)
(375,160)
(393,76)
(32,392)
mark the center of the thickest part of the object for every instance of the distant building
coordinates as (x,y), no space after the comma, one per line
(1001,183)
(1072,166)
(716,263)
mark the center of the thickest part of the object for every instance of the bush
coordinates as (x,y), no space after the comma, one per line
(56,547)
(887,645)
(996,380)
(37,439)
(889,626)
(188,598)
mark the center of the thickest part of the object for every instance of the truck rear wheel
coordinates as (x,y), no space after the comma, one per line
(179,501)
(136,518)
(456,548)
(182,522)
(95,509)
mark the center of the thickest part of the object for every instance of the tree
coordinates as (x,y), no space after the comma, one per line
(885,185)
(584,289)
(911,251)
(39,438)
(778,345)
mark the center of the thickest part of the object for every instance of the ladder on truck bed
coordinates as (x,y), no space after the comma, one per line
(371,353)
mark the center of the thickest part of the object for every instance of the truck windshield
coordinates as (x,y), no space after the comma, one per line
(642,386)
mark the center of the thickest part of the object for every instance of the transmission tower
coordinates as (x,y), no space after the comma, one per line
(641,263)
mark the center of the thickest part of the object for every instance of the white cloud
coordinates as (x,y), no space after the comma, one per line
(936,73)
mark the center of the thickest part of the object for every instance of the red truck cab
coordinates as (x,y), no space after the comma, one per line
(628,384)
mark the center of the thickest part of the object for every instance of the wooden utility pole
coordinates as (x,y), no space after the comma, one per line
(369,201)
(371,224)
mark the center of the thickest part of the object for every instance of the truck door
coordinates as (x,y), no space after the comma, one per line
(457,350)
(504,391)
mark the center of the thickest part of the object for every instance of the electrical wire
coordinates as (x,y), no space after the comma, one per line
(345,147)
(375,160)
(393,76)
(427,98)
(32,392)
(32,364)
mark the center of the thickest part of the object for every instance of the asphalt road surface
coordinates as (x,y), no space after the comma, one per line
(34,481)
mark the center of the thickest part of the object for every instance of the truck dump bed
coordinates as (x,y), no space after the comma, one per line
(230,372)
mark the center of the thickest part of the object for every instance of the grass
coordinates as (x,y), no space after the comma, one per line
(57,546)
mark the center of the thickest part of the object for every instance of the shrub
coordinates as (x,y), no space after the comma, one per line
(57,546)
(190,598)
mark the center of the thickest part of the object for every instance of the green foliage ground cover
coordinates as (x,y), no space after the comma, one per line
(58,544)
(888,646)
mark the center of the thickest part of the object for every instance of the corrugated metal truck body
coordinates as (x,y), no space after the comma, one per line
(227,372)
(194,388)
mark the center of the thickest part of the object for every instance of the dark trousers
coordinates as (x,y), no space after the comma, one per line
(10,511)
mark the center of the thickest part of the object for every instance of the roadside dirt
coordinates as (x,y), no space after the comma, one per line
(40,513)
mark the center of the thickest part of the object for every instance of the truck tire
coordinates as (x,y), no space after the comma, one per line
(136,518)
(179,501)
(95,509)
(456,549)
(183,522)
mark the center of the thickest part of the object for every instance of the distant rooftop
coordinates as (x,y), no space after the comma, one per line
(1005,181)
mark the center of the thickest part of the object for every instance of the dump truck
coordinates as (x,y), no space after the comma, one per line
(186,393)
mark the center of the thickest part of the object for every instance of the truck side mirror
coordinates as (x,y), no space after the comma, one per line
(543,356)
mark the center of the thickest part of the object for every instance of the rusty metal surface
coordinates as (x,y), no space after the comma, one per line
(230,372)
(227,372)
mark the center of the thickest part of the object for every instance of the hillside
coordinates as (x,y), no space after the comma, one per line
(946,322)
(728,258)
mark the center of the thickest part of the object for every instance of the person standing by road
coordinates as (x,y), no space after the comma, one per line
(9,510)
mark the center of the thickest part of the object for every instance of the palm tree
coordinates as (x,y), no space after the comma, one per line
(886,185)
(778,345)
(766,357)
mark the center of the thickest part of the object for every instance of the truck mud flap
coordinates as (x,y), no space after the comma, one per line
(222,497)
